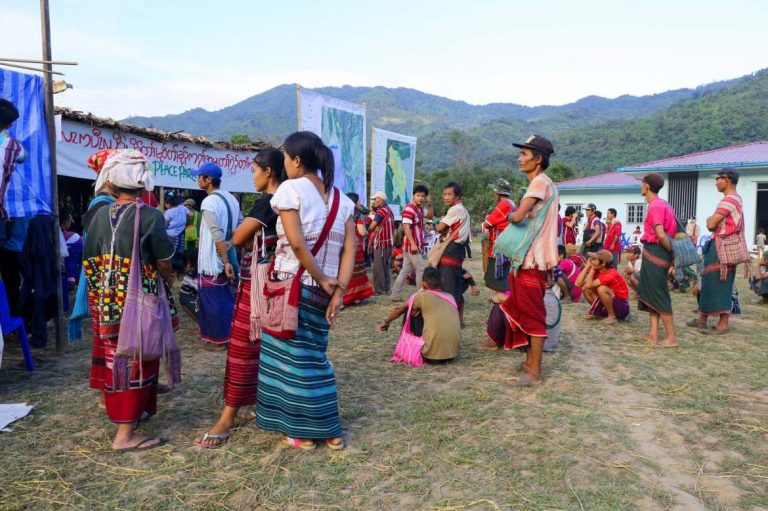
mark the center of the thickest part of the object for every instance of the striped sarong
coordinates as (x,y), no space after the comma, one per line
(653,284)
(716,296)
(217,303)
(359,287)
(242,371)
(297,386)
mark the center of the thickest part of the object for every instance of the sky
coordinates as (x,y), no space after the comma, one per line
(168,56)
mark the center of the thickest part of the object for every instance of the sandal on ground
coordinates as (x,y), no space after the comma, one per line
(138,447)
(523,381)
(298,443)
(218,438)
(714,331)
(694,323)
(329,443)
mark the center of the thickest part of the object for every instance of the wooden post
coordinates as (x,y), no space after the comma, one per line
(45,25)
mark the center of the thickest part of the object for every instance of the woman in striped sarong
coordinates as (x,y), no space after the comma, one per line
(297,388)
(258,235)
(653,289)
(359,286)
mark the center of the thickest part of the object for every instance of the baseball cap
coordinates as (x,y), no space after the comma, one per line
(591,206)
(501,186)
(379,195)
(632,249)
(190,202)
(537,143)
(730,173)
(602,255)
(209,169)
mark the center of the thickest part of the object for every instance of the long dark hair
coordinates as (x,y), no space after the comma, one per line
(313,153)
(272,159)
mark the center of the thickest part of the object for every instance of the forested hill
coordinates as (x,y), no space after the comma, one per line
(593,134)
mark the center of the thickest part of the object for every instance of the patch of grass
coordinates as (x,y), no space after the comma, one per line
(617,425)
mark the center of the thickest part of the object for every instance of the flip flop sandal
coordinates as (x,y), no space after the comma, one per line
(220,439)
(334,446)
(139,447)
(523,381)
(297,443)
(695,324)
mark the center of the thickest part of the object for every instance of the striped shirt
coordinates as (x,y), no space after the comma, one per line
(732,208)
(381,237)
(413,215)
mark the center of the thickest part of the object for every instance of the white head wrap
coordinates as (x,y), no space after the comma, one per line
(127,168)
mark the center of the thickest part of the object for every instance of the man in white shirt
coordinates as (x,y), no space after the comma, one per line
(216,261)
(455,225)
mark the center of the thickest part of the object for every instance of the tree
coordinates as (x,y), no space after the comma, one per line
(240,139)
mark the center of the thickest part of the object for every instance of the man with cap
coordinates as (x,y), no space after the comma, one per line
(602,285)
(216,262)
(727,244)
(413,241)
(520,321)
(632,269)
(498,268)
(591,240)
(381,232)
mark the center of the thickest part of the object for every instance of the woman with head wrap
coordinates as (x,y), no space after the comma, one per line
(107,263)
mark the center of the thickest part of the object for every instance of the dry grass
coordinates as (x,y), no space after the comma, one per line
(617,425)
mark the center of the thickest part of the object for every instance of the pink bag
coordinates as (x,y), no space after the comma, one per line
(146,330)
(408,349)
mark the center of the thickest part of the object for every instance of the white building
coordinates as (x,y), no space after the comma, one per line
(689,188)
(690,182)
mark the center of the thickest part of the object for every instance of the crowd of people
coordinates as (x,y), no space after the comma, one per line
(271,283)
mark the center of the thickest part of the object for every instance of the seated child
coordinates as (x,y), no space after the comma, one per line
(565,274)
(434,317)
(604,287)
(632,270)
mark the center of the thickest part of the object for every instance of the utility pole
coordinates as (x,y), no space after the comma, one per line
(45,22)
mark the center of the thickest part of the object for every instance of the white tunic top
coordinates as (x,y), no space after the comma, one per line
(301,195)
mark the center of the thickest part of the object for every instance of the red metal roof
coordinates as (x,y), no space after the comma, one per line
(753,152)
(609,180)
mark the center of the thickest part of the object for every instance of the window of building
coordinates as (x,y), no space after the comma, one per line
(635,213)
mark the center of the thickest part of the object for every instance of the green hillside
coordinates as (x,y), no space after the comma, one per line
(451,133)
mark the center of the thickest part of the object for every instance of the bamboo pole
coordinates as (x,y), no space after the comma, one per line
(45,71)
(33,61)
(45,22)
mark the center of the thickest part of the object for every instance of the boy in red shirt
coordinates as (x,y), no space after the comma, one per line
(602,285)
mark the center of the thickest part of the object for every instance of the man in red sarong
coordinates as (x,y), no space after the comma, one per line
(520,321)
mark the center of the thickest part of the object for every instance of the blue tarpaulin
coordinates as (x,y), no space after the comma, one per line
(29,193)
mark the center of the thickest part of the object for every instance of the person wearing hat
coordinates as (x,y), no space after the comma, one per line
(521,318)
(659,227)
(634,263)
(498,268)
(602,285)
(727,244)
(592,236)
(381,233)
(413,240)
(215,261)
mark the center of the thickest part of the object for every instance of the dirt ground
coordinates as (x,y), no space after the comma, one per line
(617,425)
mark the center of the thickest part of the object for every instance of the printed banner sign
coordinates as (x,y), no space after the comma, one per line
(171,162)
(341,126)
(393,165)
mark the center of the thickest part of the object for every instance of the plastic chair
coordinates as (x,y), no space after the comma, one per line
(10,324)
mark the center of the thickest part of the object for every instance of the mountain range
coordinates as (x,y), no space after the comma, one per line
(593,134)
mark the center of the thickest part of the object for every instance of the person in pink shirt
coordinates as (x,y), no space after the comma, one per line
(565,276)
(659,228)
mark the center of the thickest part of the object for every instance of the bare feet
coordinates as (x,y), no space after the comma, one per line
(526,380)
(610,320)
(669,342)
(488,345)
